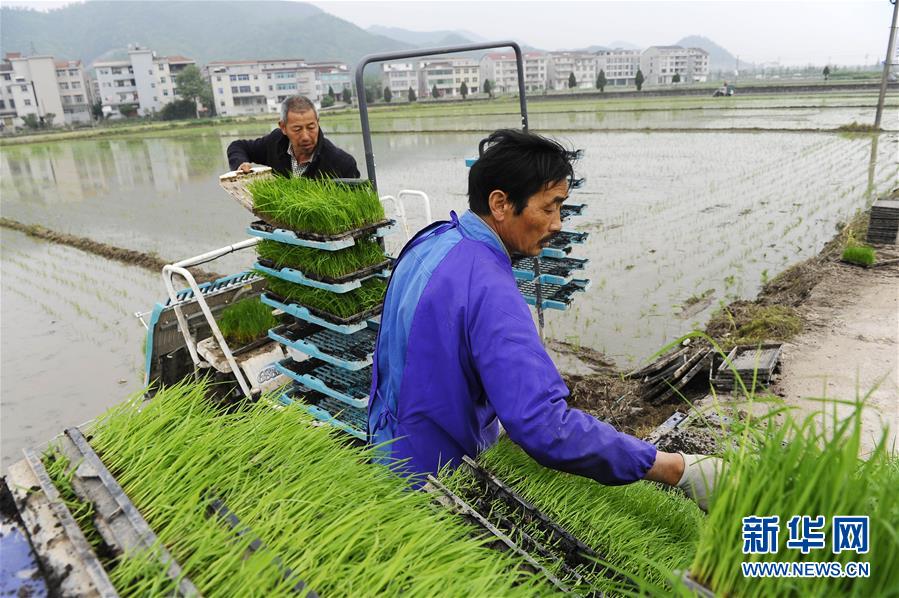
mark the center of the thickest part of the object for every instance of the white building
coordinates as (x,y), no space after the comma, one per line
(145,80)
(447,76)
(619,66)
(660,64)
(74,91)
(399,77)
(501,70)
(330,75)
(255,86)
(563,64)
(34,89)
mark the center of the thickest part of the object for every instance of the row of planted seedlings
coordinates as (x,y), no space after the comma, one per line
(257,501)
(325,268)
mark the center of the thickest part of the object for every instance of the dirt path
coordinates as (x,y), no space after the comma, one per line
(849,347)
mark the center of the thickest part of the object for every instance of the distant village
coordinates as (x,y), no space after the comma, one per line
(50,91)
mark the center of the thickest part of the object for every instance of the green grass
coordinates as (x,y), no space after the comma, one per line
(751,323)
(343,305)
(800,467)
(316,206)
(246,320)
(345,526)
(640,529)
(859,254)
(321,263)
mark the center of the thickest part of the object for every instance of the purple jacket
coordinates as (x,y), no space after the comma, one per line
(458,350)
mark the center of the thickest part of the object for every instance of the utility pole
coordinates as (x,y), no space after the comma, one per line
(886,67)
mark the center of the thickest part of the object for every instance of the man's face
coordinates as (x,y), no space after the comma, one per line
(301,129)
(529,232)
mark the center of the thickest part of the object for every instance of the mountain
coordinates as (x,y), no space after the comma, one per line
(719,58)
(422,39)
(204,31)
(624,45)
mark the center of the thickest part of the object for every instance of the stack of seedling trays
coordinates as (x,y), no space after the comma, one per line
(754,365)
(884,223)
(326,270)
(550,277)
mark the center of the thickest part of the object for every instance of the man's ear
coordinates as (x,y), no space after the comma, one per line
(281,126)
(499,204)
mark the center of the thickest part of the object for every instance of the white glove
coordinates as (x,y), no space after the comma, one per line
(700,476)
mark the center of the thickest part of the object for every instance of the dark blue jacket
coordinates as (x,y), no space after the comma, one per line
(329,160)
(458,352)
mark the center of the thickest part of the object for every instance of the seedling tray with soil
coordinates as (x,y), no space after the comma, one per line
(352,420)
(349,387)
(553,270)
(345,284)
(322,318)
(553,296)
(348,351)
(570,210)
(560,245)
(326,266)
(754,365)
(272,232)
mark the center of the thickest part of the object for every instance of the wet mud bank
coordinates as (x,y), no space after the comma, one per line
(148,261)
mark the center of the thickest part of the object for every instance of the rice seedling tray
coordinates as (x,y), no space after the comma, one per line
(560,245)
(553,296)
(348,351)
(751,362)
(57,539)
(120,523)
(667,386)
(343,285)
(673,422)
(325,320)
(235,184)
(347,386)
(216,508)
(272,232)
(574,551)
(352,420)
(456,504)
(553,270)
(569,210)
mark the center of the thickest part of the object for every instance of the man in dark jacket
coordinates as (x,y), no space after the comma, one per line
(296,148)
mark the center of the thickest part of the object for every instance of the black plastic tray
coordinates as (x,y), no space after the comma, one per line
(354,319)
(363,273)
(269,226)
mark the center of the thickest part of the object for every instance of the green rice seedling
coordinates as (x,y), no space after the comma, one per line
(316,206)
(342,305)
(321,510)
(640,530)
(60,471)
(321,263)
(801,468)
(246,320)
(859,254)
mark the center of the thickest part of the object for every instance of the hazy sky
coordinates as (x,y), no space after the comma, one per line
(792,32)
(836,32)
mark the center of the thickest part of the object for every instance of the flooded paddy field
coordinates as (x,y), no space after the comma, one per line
(679,221)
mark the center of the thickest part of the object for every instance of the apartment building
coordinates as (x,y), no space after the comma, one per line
(144,79)
(620,66)
(32,88)
(331,75)
(502,71)
(255,86)
(8,113)
(447,76)
(563,64)
(399,77)
(660,64)
(74,91)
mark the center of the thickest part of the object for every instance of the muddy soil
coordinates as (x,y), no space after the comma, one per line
(149,261)
(692,441)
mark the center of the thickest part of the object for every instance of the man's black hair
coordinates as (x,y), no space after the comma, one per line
(521,164)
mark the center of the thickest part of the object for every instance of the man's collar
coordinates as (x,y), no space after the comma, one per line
(475,227)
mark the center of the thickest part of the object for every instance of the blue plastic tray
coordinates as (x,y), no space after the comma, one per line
(295,276)
(281,235)
(303,313)
(560,245)
(553,270)
(322,408)
(553,296)
(348,387)
(348,351)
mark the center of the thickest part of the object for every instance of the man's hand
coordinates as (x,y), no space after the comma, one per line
(244,168)
(701,473)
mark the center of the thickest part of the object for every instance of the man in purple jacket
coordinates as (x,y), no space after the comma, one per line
(458,352)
